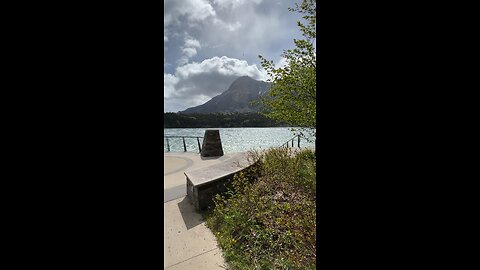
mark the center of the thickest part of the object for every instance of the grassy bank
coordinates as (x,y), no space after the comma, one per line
(267,218)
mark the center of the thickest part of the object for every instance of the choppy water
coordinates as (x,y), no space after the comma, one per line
(233,139)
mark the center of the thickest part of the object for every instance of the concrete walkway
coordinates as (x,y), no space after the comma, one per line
(188,243)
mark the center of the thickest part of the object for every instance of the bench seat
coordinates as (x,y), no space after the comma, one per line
(204,183)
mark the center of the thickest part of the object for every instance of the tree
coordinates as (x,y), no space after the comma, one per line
(292,97)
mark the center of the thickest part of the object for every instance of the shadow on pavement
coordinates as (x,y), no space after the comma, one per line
(174,193)
(190,217)
(210,158)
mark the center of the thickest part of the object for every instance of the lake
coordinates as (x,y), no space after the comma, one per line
(233,139)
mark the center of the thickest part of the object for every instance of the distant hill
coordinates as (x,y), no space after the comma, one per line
(236,98)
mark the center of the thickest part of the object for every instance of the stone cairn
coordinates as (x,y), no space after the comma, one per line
(212,144)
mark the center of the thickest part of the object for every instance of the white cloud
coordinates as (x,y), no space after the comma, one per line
(169,82)
(189,49)
(193,10)
(182,61)
(220,65)
(233,26)
(189,52)
(229,4)
(191,42)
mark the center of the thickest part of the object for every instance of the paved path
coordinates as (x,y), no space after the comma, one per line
(188,243)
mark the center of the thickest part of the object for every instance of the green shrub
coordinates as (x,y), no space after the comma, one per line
(266,219)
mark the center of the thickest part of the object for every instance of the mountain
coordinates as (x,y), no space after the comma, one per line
(237,98)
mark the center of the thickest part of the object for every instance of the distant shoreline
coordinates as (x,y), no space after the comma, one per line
(222,127)
(218,120)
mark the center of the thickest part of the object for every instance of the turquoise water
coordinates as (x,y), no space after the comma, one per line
(233,139)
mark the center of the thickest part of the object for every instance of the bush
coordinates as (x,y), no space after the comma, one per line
(266,219)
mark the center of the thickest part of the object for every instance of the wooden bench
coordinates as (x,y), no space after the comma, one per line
(204,183)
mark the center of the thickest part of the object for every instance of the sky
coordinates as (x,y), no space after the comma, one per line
(210,43)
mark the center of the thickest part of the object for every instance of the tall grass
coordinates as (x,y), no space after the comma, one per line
(266,219)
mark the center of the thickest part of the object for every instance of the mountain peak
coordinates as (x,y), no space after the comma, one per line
(237,98)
